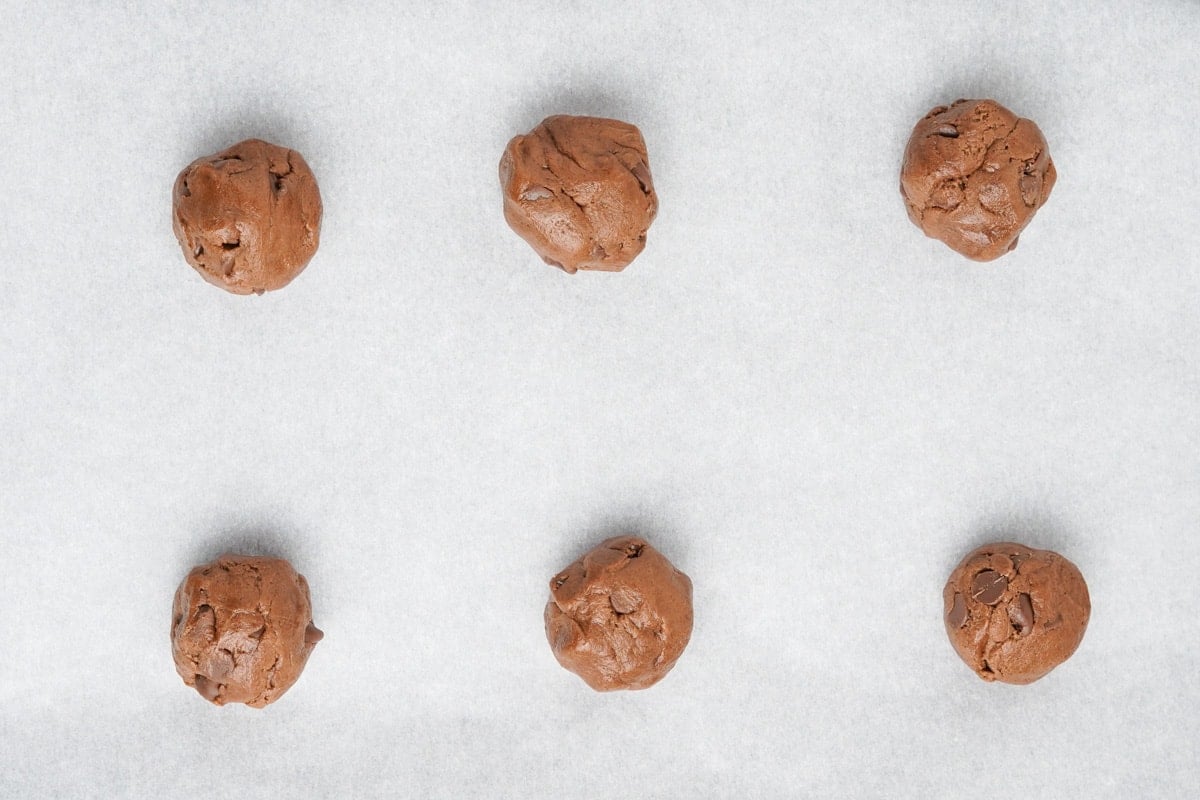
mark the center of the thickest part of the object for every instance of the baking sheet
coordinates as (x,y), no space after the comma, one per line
(810,408)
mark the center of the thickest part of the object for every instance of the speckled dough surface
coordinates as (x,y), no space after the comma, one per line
(620,616)
(1013,613)
(578,189)
(974,174)
(248,218)
(242,629)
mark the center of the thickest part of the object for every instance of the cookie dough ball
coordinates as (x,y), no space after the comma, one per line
(248,218)
(620,616)
(1014,613)
(242,629)
(578,190)
(974,174)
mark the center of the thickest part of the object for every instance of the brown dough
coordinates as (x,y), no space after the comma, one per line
(974,174)
(620,616)
(242,629)
(578,189)
(1014,613)
(248,218)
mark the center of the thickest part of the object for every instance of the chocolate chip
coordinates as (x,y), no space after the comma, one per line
(988,587)
(535,193)
(313,634)
(947,130)
(205,621)
(209,690)
(1031,187)
(1020,613)
(624,600)
(642,173)
(958,612)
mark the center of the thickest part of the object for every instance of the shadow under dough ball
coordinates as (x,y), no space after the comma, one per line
(248,218)
(1013,613)
(578,189)
(621,616)
(242,629)
(973,176)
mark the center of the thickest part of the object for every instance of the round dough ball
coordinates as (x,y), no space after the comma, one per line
(974,174)
(1014,613)
(620,616)
(248,218)
(578,189)
(242,629)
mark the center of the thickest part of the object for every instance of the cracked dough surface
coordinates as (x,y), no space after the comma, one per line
(242,629)
(249,217)
(578,189)
(621,616)
(974,175)
(1013,613)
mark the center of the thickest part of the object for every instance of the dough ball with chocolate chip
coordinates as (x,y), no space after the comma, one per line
(620,616)
(578,189)
(973,176)
(1014,613)
(248,218)
(242,629)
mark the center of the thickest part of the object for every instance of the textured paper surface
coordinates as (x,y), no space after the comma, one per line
(809,407)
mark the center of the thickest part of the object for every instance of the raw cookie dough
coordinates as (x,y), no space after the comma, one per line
(974,174)
(578,189)
(620,616)
(248,218)
(242,629)
(1014,613)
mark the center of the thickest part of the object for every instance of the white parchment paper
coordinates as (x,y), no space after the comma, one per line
(809,407)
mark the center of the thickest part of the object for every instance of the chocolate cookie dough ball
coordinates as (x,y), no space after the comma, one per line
(242,629)
(1014,613)
(248,218)
(620,616)
(578,190)
(974,174)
